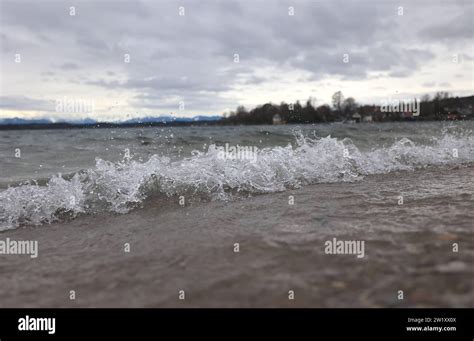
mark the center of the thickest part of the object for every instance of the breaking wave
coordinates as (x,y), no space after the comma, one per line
(121,186)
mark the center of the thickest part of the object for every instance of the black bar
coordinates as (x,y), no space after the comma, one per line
(383,324)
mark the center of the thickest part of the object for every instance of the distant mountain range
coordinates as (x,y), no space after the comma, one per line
(167,119)
(141,120)
(16,120)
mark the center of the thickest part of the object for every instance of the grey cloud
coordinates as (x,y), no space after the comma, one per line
(444,85)
(458,28)
(69,66)
(192,101)
(192,56)
(22,103)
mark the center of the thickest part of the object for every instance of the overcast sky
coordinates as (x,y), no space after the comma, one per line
(187,64)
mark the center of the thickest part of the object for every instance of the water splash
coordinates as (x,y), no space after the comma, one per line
(121,186)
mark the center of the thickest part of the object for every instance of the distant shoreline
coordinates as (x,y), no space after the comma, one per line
(440,108)
(39,126)
(223,122)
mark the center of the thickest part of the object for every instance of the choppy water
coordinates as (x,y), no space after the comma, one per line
(61,173)
(346,182)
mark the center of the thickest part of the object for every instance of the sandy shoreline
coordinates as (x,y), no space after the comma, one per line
(192,249)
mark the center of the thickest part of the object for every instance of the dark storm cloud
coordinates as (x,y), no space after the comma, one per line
(190,56)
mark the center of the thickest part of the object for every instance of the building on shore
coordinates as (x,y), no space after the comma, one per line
(277,120)
(357,118)
(367,118)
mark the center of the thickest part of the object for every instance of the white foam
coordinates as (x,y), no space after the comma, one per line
(118,187)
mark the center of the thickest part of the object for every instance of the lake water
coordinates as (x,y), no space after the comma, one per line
(183,203)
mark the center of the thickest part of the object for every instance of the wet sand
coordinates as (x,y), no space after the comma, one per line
(407,247)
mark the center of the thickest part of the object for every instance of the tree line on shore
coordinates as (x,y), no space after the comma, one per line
(342,109)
